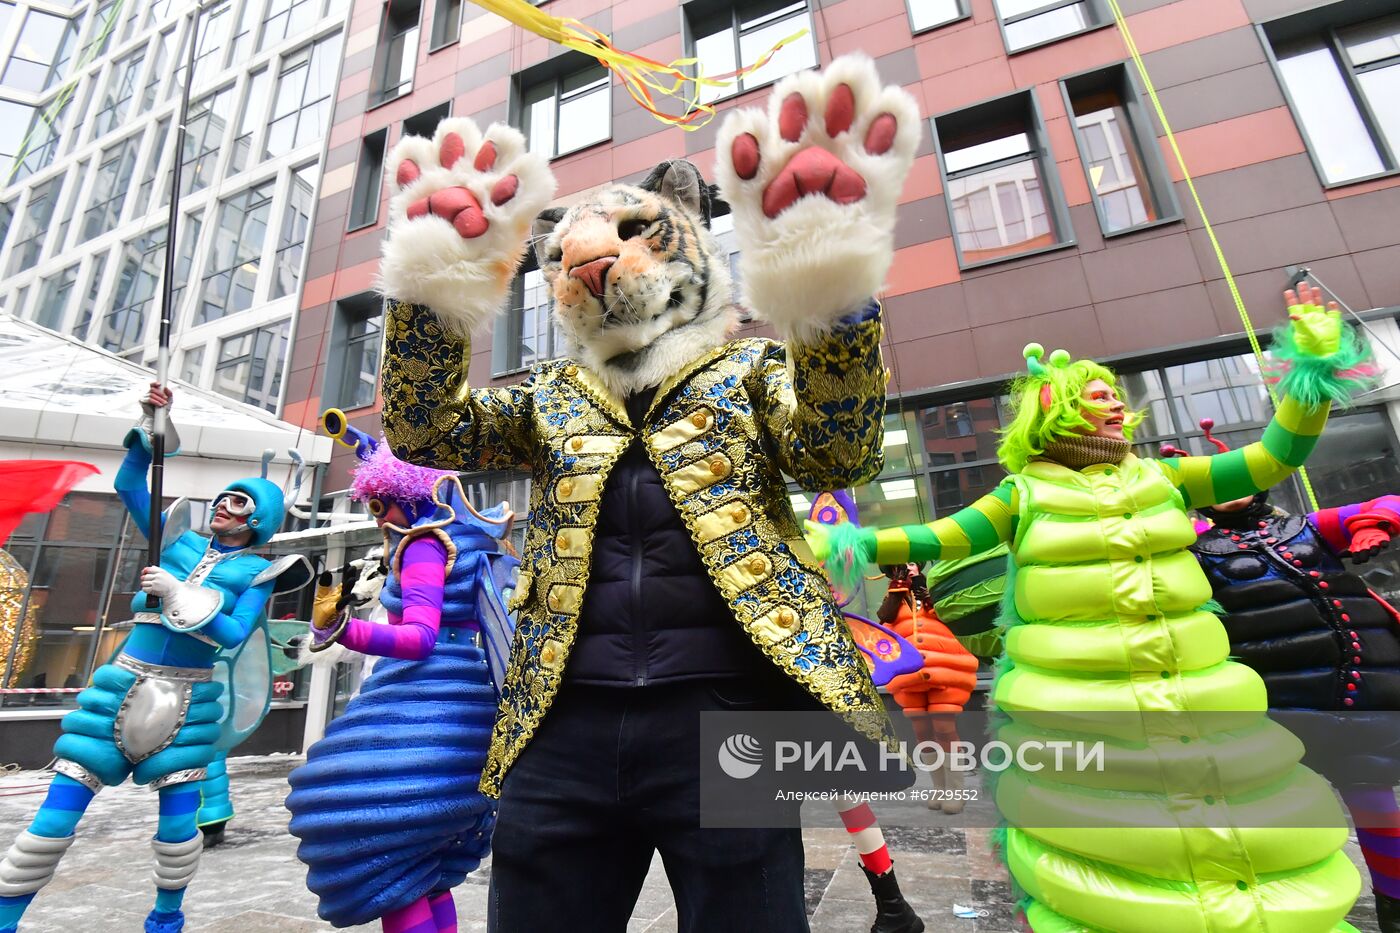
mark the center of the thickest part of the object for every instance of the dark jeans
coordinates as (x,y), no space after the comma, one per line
(612,776)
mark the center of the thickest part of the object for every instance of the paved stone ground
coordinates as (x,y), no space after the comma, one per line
(253,883)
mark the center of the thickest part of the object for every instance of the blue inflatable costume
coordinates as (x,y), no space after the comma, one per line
(157,712)
(388,806)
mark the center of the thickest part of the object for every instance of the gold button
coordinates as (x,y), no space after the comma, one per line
(740,514)
(700,419)
(718,466)
(561,543)
(571,370)
(566,488)
(547,655)
(758,565)
(576,443)
(787,618)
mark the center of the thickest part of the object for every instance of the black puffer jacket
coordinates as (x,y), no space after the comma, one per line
(651,614)
(1311,629)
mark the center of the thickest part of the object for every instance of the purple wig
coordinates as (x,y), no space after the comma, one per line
(384,476)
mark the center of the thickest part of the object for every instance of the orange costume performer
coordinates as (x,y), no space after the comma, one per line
(933,695)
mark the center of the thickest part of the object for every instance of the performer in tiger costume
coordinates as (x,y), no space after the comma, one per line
(664,573)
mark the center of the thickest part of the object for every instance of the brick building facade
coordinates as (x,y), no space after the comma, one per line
(1045,203)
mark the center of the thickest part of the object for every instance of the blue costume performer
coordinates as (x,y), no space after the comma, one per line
(388,806)
(154,712)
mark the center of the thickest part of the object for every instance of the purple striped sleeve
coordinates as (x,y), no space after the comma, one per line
(1339,524)
(412,635)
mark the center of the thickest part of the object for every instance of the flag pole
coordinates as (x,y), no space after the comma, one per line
(153,540)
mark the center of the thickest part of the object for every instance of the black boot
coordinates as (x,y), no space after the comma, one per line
(213,833)
(892,912)
(1388,913)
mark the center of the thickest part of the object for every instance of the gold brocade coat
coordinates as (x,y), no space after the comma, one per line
(721,432)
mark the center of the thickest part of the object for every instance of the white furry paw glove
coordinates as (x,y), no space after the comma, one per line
(459,219)
(813,184)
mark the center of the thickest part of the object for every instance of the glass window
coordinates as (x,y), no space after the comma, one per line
(926,14)
(254,106)
(1124,176)
(739,37)
(302,103)
(102,29)
(361,322)
(7,214)
(565,114)
(241,48)
(235,258)
(531,334)
(70,208)
(111,187)
(285,19)
(121,88)
(191,365)
(66,589)
(398,52)
(142,259)
(214,26)
(296,219)
(204,137)
(53,298)
(249,367)
(190,227)
(15,119)
(7,12)
(160,58)
(1343,84)
(996,181)
(42,53)
(447,23)
(38,213)
(1032,22)
(364,200)
(153,160)
(45,135)
(85,307)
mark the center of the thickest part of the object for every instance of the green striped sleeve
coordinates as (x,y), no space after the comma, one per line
(1288,440)
(979,527)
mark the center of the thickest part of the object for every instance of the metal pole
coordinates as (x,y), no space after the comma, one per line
(166,311)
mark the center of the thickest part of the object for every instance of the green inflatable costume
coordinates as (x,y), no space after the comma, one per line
(1191,825)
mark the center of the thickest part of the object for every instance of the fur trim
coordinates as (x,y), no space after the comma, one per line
(1319,380)
(655,362)
(425,260)
(818,261)
(850,550)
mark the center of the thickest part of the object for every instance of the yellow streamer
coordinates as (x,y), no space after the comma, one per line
(1205,220)
(639,74)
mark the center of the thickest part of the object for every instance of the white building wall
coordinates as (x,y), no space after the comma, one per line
(138,26)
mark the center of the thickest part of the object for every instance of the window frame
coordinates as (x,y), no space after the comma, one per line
(350,311)
(558,70)
(279,328)
(1053,191)
(506,335)
(361,183)
(704,11)
(378,94)
(1310,24)
(1102,19)
(964,12)
(1140,130)
(436,40)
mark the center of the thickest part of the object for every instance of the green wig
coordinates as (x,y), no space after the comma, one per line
(1047,404)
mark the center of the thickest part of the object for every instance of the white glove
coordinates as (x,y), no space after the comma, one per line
(158,581)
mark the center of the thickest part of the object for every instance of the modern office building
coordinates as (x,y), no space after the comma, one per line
(89,95)
(1045,203)
(89,92)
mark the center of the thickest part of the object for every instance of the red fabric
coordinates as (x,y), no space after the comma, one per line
(949,673)
(879,861)
(35,486)
(858,818)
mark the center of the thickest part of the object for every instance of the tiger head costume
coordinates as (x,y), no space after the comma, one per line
(640,284)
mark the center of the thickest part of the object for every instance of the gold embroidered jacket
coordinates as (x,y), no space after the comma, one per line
(721,432)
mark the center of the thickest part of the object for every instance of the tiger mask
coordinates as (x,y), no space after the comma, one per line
(640,284)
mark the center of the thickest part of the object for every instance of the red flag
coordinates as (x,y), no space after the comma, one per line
(35,486)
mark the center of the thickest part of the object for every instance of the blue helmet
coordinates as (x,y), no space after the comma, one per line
(269,507)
